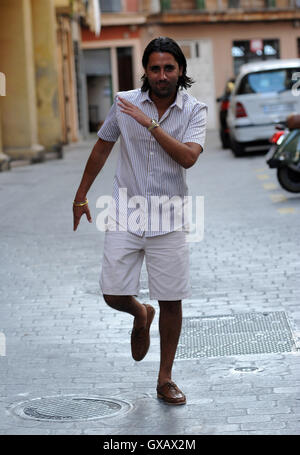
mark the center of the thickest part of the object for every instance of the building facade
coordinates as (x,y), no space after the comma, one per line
(30,123)
(61,76)
(111,61)
(217,36)
(39,51)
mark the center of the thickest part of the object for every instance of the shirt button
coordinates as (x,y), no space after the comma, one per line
(151,153)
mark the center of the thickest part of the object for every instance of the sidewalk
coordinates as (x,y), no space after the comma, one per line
(62,339)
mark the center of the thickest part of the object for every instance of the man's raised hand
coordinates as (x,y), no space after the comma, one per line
(134,112)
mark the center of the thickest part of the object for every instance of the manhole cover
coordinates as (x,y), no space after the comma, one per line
(246,369)
(69,408)
(240,334)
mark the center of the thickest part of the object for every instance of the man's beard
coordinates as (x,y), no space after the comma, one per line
(165,92)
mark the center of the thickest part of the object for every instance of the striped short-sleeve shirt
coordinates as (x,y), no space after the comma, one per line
(147,179)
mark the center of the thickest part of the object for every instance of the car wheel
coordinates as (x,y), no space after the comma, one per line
(225,140)
(237,148)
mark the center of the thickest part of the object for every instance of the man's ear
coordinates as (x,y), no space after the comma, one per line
(180,70)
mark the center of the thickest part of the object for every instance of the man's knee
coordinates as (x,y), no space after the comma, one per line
(170,306)
(110,299)
(117,301)
(120,302)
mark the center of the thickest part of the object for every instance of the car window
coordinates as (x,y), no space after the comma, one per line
(267,81)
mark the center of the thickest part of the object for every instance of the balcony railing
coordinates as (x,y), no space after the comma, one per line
(186,6)
(195,6)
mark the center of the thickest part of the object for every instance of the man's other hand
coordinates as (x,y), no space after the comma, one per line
(77,214)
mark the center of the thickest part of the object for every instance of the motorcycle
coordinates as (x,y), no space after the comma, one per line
(284,154)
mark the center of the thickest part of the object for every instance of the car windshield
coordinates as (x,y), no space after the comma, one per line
(269,81)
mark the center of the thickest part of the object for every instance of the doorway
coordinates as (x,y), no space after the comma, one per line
(99,88)
(125,75)
(99,100)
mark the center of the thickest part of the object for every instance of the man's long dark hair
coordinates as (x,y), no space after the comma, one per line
(165,44)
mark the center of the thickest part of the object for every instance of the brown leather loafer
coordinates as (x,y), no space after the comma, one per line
(170,393)
(140,338)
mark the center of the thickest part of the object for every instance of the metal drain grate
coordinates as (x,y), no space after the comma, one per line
(70,408)
(240,334)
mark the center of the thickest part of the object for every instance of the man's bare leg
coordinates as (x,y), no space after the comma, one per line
(143,317)
(170,320)
(128,304)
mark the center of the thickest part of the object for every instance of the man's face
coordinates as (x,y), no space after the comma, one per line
(163,72)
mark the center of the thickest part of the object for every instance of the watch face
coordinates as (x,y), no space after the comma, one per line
(153,125)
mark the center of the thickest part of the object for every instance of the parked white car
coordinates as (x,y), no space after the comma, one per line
(265,93)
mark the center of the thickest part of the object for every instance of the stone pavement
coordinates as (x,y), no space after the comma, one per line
(61,338)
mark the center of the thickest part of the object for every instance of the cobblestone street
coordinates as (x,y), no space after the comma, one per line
(62,339)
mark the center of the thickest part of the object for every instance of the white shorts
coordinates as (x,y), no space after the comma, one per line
(167,263)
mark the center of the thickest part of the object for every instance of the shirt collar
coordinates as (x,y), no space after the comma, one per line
(178,100)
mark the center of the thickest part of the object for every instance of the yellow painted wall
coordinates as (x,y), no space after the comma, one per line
(46,71)
(61,3)
(19,116)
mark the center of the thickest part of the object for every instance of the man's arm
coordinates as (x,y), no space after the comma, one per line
(95,163)
(185,154)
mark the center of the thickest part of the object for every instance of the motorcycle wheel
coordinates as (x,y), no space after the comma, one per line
(289,179)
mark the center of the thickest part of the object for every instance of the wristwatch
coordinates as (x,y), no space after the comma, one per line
(154,124)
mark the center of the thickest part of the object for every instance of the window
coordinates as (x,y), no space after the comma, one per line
(200,4)
(277,80)
(110,6)
(270,3)
(165,5)
(233,3)
(254,50)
